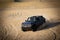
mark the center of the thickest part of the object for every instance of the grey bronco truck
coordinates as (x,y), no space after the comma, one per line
(32,23)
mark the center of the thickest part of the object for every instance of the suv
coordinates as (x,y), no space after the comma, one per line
(32,23)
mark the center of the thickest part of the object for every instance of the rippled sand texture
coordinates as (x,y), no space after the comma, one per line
(13,14)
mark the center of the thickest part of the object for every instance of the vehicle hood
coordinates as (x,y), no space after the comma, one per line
(26,23)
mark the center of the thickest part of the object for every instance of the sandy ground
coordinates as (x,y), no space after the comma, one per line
(13,14)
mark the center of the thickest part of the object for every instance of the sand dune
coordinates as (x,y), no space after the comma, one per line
(13,14)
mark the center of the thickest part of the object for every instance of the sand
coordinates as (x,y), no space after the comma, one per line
(13,14)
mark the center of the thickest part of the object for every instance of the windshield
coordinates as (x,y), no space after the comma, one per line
(31,19)
(28,19)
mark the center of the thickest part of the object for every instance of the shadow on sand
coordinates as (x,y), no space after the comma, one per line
(48,25)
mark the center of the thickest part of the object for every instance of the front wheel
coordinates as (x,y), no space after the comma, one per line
(23,29)
(34,30)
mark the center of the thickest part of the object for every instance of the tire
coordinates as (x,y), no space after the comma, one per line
(23,29)
(34,30)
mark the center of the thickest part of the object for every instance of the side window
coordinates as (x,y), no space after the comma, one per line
(34,19)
